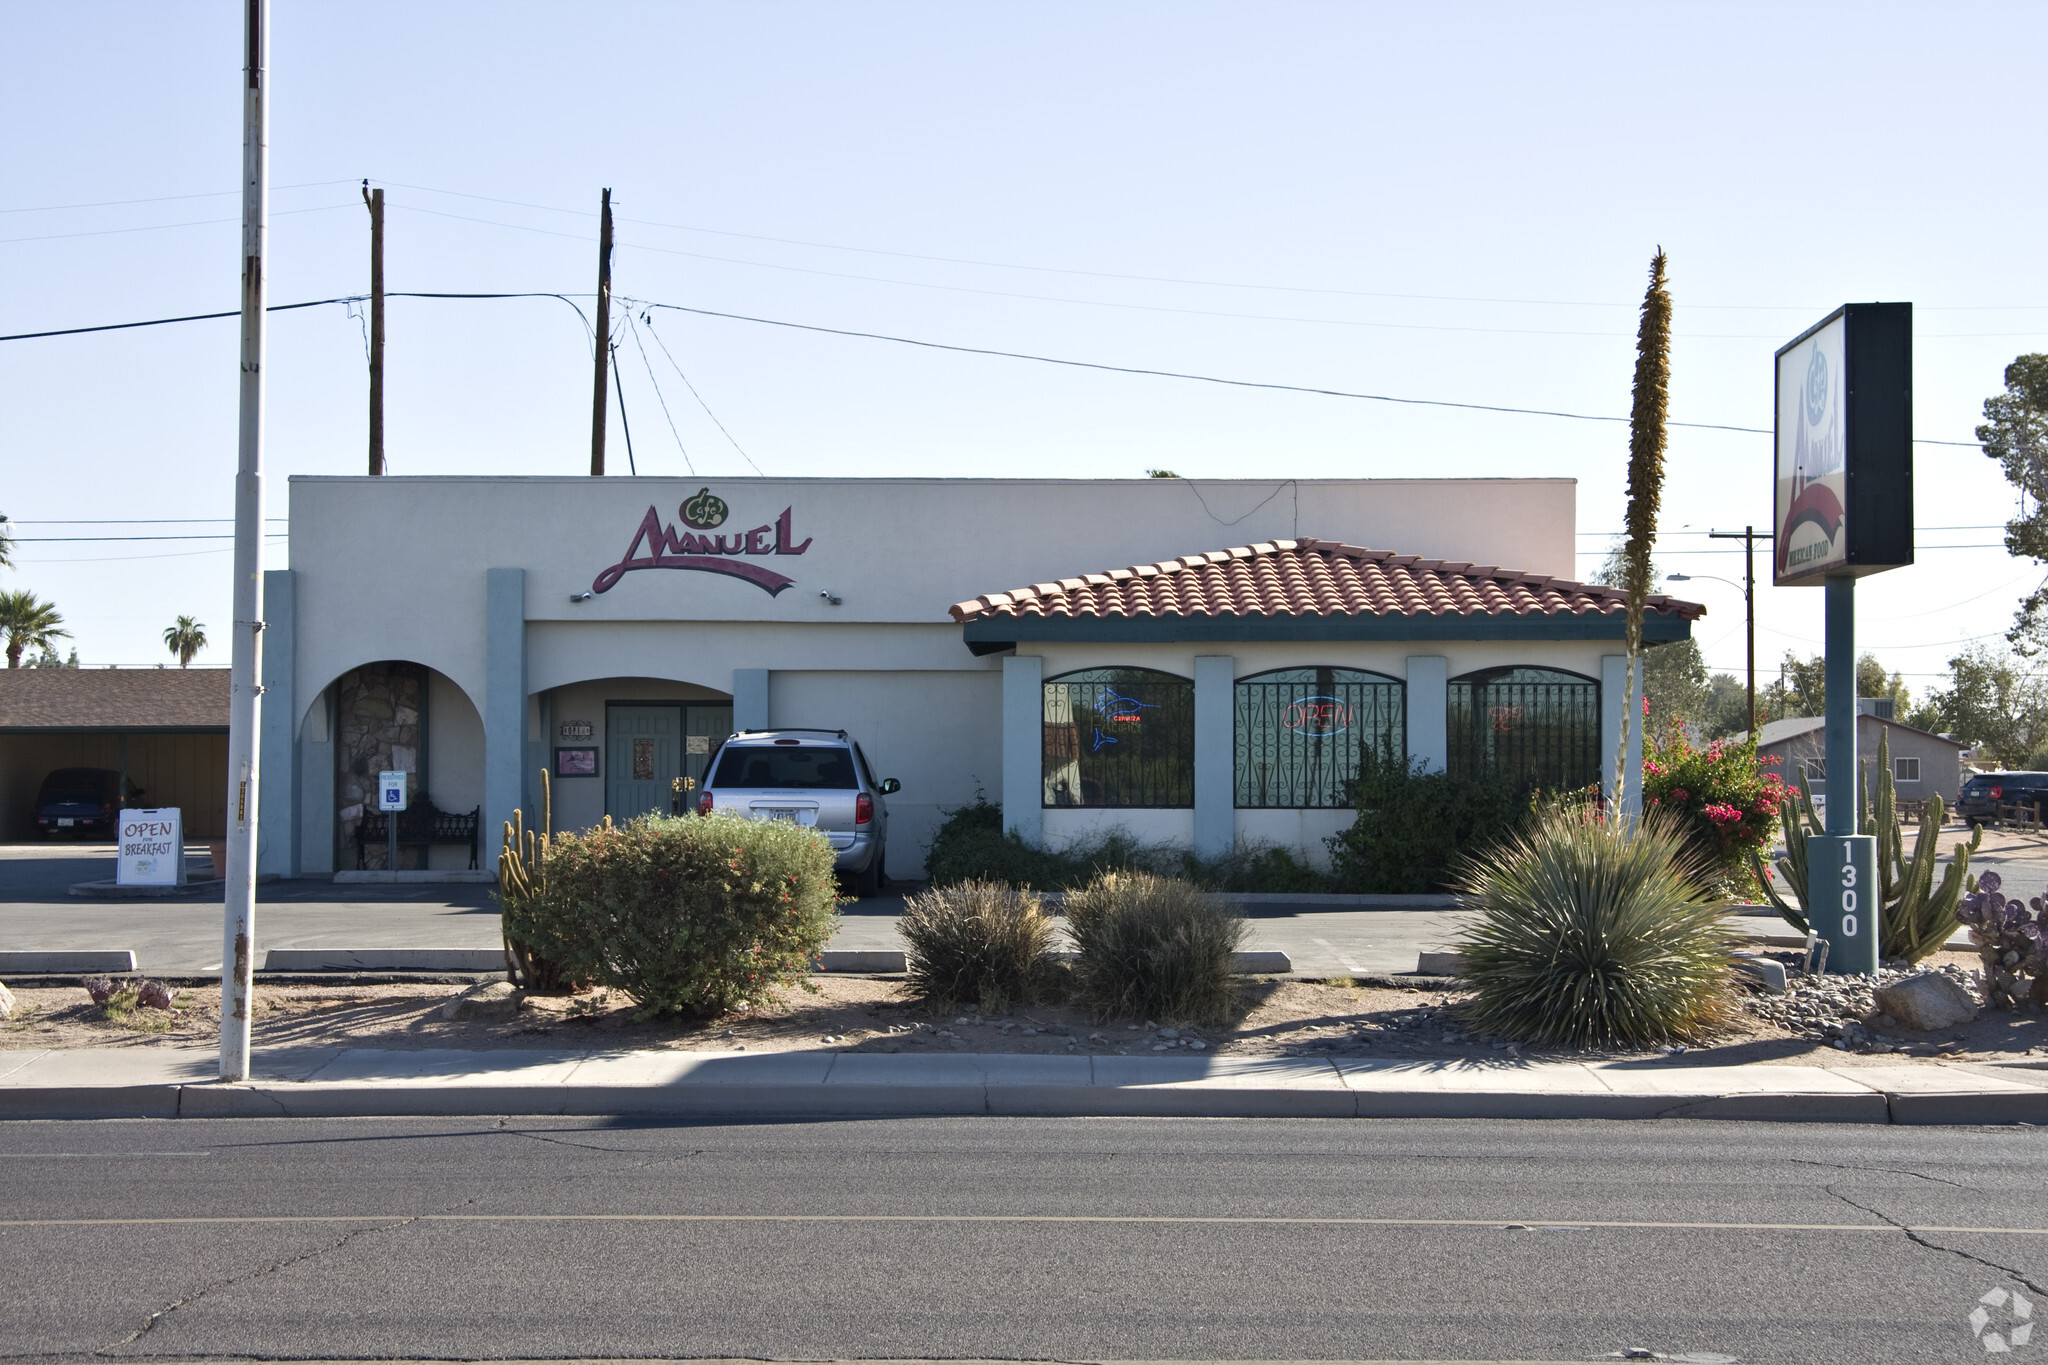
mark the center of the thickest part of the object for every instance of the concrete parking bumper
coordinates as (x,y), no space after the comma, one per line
(164,1082)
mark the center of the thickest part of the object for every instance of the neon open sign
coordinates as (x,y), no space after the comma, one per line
(1317,716)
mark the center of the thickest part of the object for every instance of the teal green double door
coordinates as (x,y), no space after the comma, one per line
(649,745)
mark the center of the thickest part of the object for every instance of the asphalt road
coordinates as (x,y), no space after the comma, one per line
(1009,1238)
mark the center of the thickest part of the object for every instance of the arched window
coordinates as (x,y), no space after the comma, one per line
(1119,737)
(1300,732)
(1538,726)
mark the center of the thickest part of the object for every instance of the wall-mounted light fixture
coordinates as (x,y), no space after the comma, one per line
(581,596)
(826,593)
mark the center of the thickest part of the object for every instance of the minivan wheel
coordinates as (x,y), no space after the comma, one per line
(868,880)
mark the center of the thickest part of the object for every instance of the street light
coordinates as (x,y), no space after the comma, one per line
(1748,592)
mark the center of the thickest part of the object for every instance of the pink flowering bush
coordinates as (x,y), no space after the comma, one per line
(1725,796)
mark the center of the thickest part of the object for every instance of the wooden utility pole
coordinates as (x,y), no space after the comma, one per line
(604,333)
(1748,536)
(375,199)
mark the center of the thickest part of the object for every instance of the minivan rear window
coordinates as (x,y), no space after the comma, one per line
(822,766)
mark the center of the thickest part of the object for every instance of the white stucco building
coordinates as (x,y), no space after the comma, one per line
(1196,660)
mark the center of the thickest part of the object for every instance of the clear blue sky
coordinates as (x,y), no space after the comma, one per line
(1449,202)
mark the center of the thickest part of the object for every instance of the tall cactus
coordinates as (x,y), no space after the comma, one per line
(522,880)
(1915,915)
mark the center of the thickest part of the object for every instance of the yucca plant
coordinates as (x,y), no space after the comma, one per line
(978,942)
(1596,933)
(1153,947)
(1646,443)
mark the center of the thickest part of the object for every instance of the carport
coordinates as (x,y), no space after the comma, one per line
(165,728)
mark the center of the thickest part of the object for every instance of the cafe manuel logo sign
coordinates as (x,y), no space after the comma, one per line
(658,546)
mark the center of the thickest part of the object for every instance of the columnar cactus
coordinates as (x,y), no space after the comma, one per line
(522,879)
(1915,916)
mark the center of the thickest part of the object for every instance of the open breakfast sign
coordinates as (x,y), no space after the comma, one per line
(151,849)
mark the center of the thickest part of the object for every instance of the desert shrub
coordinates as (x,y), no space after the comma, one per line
(1414,824)
(1153,947)
(970,846)
(1591,933)
(691,916)
(983,943)
(100,988)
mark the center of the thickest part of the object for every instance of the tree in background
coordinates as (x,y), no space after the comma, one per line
(185,639)
(48,659)
(1675,681)
(6,545)
(2015,433)
(1996,703)
(28,622)
(1803,688)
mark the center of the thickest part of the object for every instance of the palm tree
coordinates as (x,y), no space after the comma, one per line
(185,639)
(28,622)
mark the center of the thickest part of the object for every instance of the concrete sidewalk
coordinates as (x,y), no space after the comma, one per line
(145,1082)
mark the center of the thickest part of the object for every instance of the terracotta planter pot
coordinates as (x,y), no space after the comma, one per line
(219,851)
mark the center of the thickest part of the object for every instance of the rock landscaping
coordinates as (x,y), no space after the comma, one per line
(1831,1019)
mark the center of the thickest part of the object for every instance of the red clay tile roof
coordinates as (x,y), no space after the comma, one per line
(113,699)
(1309,578)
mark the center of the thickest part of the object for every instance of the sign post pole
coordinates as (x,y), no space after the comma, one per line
(1841,868)
(238,934)
(1842,508)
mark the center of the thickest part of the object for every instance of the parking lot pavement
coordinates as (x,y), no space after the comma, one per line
(183,936)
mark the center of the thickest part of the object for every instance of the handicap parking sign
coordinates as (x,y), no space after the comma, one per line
(391,790)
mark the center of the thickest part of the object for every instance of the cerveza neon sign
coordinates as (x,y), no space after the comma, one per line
(1114,708)
(706,552)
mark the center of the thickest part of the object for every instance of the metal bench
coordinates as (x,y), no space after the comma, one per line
(421,824)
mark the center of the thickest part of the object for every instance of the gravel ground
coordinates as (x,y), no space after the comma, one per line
(1828,1019)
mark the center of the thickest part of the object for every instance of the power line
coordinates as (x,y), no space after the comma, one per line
(1215,379)
(170,198)
(158,227)
(659,397)
(946,346)
(287,307)
(1162,279)
(692,387)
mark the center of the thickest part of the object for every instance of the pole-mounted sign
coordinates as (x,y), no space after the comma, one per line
(1843,507)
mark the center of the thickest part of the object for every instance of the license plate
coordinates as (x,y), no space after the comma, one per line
(64,822)
(795,817)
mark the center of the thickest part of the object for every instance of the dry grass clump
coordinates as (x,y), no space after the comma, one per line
(977,942)
(1154,947)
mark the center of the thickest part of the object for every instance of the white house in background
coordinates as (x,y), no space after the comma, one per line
(1923,763)
(1196,660)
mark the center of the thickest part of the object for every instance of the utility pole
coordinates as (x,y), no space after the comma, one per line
(1748,536)
(604,332)
(375,199)
(245,704)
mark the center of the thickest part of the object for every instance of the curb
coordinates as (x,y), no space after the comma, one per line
(396,1084)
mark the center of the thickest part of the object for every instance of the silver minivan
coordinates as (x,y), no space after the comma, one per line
(816,778)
